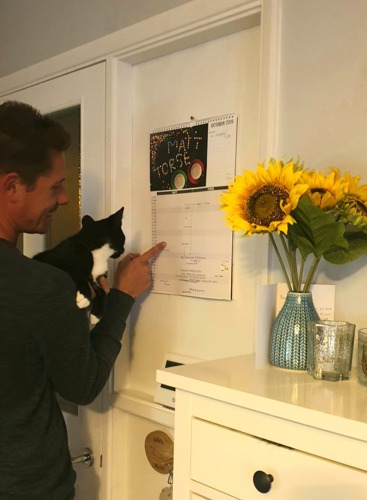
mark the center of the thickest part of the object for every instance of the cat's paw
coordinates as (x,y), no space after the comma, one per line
(93,320)
(81,301)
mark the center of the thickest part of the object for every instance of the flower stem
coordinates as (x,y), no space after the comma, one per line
(301,268)
(293,257)
(280,261)
(292,262)
(311,274)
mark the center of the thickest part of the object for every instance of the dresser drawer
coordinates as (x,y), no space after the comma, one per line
(227,460)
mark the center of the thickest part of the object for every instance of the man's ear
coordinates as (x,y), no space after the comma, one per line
(9,183)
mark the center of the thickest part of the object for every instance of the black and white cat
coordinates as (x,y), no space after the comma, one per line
(84,256)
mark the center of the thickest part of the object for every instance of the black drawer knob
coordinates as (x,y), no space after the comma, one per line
(262,481)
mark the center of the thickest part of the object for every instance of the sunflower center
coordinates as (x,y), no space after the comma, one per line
(264,205)
(318,190)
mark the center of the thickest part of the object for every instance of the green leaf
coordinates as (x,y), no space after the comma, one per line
(315,231)
(357,247)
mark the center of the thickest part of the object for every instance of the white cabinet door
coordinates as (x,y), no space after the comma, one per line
(84,89)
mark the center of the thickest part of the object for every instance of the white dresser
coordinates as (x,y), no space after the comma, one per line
(295,437)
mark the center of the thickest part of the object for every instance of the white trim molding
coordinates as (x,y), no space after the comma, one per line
(185,26)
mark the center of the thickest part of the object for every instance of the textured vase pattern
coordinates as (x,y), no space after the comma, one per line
(288,342)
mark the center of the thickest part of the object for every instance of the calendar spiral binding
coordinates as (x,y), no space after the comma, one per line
(194,122)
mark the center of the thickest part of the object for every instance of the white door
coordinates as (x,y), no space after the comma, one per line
(84,91)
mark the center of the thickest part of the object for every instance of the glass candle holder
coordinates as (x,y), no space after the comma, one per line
(330,349)
(362,356)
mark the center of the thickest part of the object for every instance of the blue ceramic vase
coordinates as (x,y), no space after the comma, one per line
(288,341)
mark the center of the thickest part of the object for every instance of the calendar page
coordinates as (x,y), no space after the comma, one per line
(190,166)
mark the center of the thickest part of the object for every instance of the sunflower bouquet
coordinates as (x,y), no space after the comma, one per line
(315,216)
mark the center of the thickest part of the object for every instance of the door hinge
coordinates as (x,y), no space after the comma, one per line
(100,461)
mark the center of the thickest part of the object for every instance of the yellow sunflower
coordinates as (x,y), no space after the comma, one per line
(355,202)
(262,201)
(325,191)
(352,187)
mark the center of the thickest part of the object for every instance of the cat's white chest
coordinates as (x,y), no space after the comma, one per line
(100,259)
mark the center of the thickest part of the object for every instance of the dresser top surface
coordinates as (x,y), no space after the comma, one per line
(337,406)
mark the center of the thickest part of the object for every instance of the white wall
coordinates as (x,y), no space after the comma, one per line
(218,77)
(32,31)
(323,112)
(221,76)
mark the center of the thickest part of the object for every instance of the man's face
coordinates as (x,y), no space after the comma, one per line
(40,201)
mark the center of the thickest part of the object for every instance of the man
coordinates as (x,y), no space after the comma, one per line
(45,343)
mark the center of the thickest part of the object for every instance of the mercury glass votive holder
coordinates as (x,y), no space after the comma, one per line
(330,349)
(362,355)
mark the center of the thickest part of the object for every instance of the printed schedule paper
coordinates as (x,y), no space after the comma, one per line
(190,166)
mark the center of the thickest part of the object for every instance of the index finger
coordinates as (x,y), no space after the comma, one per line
(103,283)
(152,252)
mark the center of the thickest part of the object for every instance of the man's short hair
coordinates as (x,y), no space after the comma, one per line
(26,139)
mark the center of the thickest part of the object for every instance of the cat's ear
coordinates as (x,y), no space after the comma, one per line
(87,221)
(118,216)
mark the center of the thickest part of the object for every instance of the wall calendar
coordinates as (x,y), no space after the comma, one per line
(191,164)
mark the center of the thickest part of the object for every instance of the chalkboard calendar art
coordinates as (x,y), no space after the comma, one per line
(178,158)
